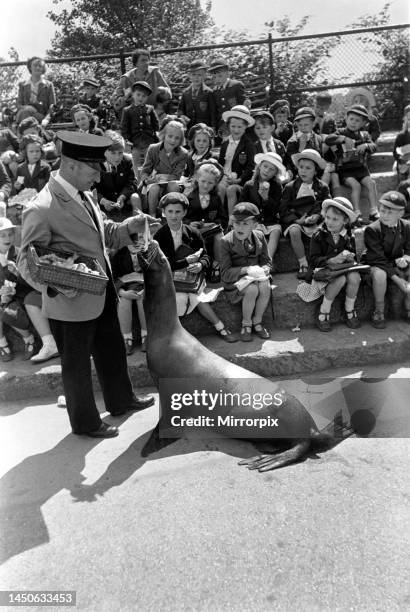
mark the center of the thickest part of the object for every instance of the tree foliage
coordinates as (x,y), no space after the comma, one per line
(103,26)
(9,77)
(394,62)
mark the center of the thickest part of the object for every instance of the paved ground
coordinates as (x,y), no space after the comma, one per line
(190,530)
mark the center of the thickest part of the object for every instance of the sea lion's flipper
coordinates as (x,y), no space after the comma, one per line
(265,463)
(155,443)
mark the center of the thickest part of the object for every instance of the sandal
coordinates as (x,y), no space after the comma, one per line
(301,275)
(378,321)
(323,322)
(246,333)
(226,335)
(352,319)
(261,331)
(5,353)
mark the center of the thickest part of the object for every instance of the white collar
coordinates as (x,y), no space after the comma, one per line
(70,189)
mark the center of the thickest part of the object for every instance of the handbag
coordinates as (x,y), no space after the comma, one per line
(331,271)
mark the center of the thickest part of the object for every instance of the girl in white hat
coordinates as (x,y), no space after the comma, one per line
(334,243)
(237,154)
(265,191)
(301,204)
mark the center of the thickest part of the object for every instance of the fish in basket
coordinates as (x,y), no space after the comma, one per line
(67,270)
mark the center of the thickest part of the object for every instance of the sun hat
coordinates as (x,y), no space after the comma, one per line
(274,159)
(342,204)
(6,224)
(239,112)
(311,154)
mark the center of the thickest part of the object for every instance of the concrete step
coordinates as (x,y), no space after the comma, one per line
(385,181)
(385,141)
(286,354)
(381,161)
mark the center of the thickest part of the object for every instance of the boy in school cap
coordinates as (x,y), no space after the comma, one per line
(90,87)
(227,92)
(197,102)
(304,136)
(139,124)
(387,242)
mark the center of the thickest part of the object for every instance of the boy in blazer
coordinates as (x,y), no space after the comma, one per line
(227,92)
(197,103)
(64,217)
(387,243)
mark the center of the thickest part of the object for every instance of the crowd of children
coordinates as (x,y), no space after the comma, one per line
(226,183)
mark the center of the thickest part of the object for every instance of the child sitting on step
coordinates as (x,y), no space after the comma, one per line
(245,269)
(206,213)
(265,191)
(334,243)
(185,250)
(351,145)
(387,243)
(300,212)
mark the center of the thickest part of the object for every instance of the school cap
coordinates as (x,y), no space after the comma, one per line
(394,200)
(90,81)
(358,109)
(6,224)
(174,198)
(279,104)
(263,114)
(244,211)
(197,65)
(143,85)
(218,64)
(305,113)
(83,147)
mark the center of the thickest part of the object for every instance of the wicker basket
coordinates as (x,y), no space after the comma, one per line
(51,274)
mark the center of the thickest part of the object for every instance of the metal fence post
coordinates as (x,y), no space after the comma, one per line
(271,71)
(122,60)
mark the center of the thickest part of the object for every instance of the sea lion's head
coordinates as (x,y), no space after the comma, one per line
(151,254)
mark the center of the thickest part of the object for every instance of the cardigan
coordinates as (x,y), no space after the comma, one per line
(46,96)
(191,237)
(293,208)
(382,247)
(270,208)
(153,77)
(243,160)
(234,256)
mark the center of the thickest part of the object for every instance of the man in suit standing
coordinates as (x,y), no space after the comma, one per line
(64,217)
(227,92)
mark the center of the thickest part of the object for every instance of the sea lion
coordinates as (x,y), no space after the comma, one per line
(173,353)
